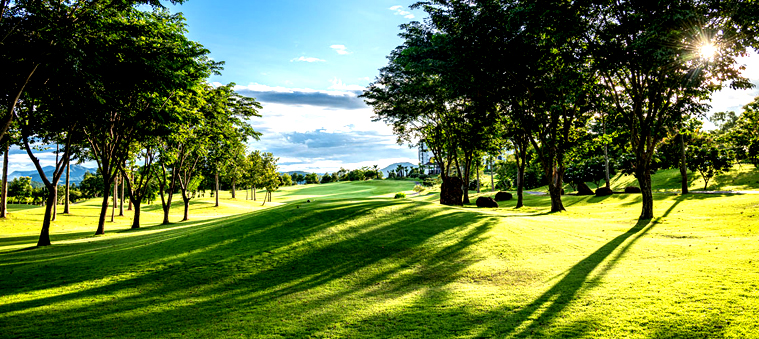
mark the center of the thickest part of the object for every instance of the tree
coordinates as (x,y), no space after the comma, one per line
(652,67)
(286,179)
(312,178)
(743,138)
(20,188)
(709,160)
(228,130)
(162,63)
(326,178)
(40,37)
(269,175)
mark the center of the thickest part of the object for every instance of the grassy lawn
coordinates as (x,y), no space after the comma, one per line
(354,262)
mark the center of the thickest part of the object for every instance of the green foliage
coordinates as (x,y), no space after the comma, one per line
(709,160)
(399,195)
(326,178)
(589,170)
(504,184)
(312,178)
(20,188)
(627,161)
(429,182)
(419,188)
(286,180)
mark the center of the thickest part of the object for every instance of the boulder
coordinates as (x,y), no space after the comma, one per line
(603,191)
(632,189)
(486,202)
(583,189)
(503,196)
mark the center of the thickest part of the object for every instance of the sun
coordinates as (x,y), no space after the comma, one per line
(707,51)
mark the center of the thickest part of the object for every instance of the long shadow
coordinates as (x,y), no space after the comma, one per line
(238,263)
(558,297)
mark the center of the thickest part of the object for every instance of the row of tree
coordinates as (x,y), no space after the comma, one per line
(118,82)
(482,73)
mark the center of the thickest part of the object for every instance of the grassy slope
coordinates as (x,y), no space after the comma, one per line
(740,177)
(354,263)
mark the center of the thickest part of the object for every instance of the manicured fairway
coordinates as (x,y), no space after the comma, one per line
(356,263)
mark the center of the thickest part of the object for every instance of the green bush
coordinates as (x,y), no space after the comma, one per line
(400,195)
(419,188)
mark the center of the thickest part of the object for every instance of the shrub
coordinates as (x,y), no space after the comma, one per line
(400,195)
(504,184)
(419,188)
(428,182)
(473,185)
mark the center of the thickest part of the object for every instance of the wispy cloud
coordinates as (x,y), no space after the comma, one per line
(340,97)
(399,11)
(340,49)
(307,59)
(338,85)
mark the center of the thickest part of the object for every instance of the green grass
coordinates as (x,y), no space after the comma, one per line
(740,177)
(356,263)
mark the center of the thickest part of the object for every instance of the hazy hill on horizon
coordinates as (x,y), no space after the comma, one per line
(76,176)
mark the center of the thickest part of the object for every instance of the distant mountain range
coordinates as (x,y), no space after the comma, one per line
(394,166)
(76,176)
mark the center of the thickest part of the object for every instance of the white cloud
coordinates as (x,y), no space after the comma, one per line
(399,11)
(338,84)
(340,49)
(307,59)
(733,100)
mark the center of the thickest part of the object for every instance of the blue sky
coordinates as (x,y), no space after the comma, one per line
(306,61)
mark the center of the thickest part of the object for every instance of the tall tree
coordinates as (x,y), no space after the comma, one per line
(39,35)
(161,62)
(654,63)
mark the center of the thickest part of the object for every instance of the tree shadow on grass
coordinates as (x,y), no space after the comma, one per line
(198,275)
(533,319)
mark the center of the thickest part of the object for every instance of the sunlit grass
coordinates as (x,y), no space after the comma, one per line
(353,263)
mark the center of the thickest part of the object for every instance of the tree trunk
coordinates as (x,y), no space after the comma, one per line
(521,159)
(683,166)
(55,205)
(4,193)
(520,183)
(130,194)
(254,192)
(115,195)
(217,189)
(554,189)
(478,177)
(450,191)
(66,189)
(233,188)
(55,198)
(186,200)
(644,179)
(136,220)
(166,203)
(103,209)
(121,200)
(606,158)
(44,239)
(492,180)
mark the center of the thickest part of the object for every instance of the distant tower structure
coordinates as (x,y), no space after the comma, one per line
(425,159)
